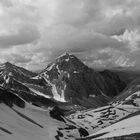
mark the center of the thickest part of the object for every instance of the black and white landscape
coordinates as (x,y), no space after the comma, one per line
(67,101)
(69,70)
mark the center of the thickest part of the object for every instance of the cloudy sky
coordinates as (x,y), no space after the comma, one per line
(103,33)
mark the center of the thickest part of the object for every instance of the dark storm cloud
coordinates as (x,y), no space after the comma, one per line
(20,59)
(24,35)
(6,3)
(79,40)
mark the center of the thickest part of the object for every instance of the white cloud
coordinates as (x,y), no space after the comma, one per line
(124,62)
(110,57)
(131,38)
(109,13)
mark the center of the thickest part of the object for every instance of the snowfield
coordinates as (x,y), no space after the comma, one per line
(97,119)
(125,127)
(21,127)
(33,123)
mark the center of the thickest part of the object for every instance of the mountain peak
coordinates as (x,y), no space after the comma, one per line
(8,64)
(64,56)
(66,62)
(68,58)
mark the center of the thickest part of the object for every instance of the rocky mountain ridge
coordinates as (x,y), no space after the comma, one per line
(66,79)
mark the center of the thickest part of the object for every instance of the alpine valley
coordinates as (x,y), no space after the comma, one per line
(69,101)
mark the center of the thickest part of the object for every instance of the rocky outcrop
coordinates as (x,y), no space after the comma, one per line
(57,113)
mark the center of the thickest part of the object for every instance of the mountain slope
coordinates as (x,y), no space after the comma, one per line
(130,95)
(127,75)
(21,120)
(97,119)
(8,70)
(120,122)
(21,81)
(126,129)
(71,80)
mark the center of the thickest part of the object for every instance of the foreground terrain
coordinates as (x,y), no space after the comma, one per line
(22,120)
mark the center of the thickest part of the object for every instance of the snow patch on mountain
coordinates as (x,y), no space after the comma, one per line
(122,128)
(56,95)
(59,97)
(39,93)
(58,69)
(50,67)
(33,123)
(131,96)
(75,72)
